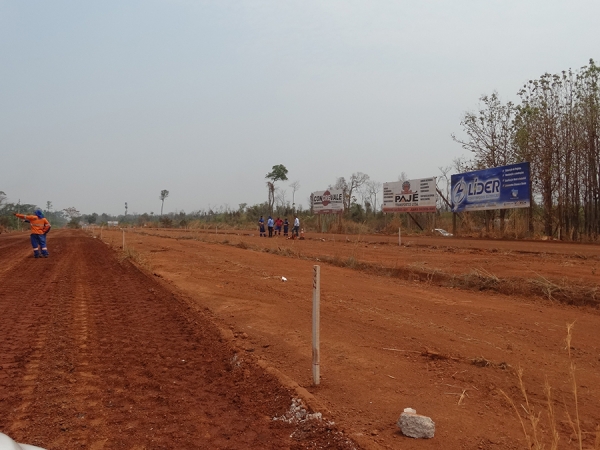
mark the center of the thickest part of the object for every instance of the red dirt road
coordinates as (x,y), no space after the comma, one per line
(389,342)
(95,354)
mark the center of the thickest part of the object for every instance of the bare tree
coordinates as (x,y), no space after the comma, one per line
(72,213)
(351,188)
(443,184)
(295,186)
(490,133)
(163,194)
(462,164)
(357,180)
(280,197)
(373,188)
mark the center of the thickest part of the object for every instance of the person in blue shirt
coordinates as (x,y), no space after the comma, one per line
(261,227)
(286,226)
(270,226)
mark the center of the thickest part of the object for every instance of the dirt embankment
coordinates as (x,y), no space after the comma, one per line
(557,271)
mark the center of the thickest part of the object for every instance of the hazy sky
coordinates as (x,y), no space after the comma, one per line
(108,102)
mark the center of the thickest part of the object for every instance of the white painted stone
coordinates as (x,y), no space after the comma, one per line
(6,443)
(416,426)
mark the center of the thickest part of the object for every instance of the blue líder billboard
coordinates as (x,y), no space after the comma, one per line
(496,188)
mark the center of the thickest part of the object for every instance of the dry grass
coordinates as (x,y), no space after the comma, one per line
(351,262)
(430,273)
(565,291)
(279,250)
(485,275)
(350,227)
(548,287)
(136,257)
(540,437)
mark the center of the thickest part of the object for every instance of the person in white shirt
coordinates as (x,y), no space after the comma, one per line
(296,229)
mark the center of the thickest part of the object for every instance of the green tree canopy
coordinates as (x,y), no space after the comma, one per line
(278,172)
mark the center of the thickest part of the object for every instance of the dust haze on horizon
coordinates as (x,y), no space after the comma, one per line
(103,103)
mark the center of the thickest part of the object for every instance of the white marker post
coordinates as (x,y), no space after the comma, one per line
(399,237)
(316,325)
(123,239)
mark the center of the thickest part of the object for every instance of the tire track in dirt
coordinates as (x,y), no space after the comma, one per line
(106,358)
(27,283)
(12,251)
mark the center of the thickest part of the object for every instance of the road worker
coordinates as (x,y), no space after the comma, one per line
(39,228)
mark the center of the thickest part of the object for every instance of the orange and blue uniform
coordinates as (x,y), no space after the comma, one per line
(39,228)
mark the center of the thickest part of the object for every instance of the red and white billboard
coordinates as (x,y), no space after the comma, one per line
(328,202)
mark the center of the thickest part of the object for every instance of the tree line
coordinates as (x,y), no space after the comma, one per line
(556,127)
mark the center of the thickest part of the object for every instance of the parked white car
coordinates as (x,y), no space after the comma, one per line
(442,232)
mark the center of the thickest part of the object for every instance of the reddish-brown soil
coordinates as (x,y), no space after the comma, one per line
(391,340)
(95,354)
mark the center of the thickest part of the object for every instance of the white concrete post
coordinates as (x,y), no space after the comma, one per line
(316,325)
(123,239)
(399,237)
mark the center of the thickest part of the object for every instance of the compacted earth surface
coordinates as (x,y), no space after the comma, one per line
(96,354)
(191,339)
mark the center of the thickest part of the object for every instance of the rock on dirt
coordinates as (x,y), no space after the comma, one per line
(416,426)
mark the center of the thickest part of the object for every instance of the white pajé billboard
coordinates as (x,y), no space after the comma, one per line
(328,202)
(410,196)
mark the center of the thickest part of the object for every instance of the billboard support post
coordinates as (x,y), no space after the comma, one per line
(454,224)
(399,237)
(415,221)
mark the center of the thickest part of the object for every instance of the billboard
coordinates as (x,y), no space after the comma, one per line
(328,202)
(410,196)
(496,188)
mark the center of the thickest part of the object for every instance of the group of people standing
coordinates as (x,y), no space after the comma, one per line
(274,226)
